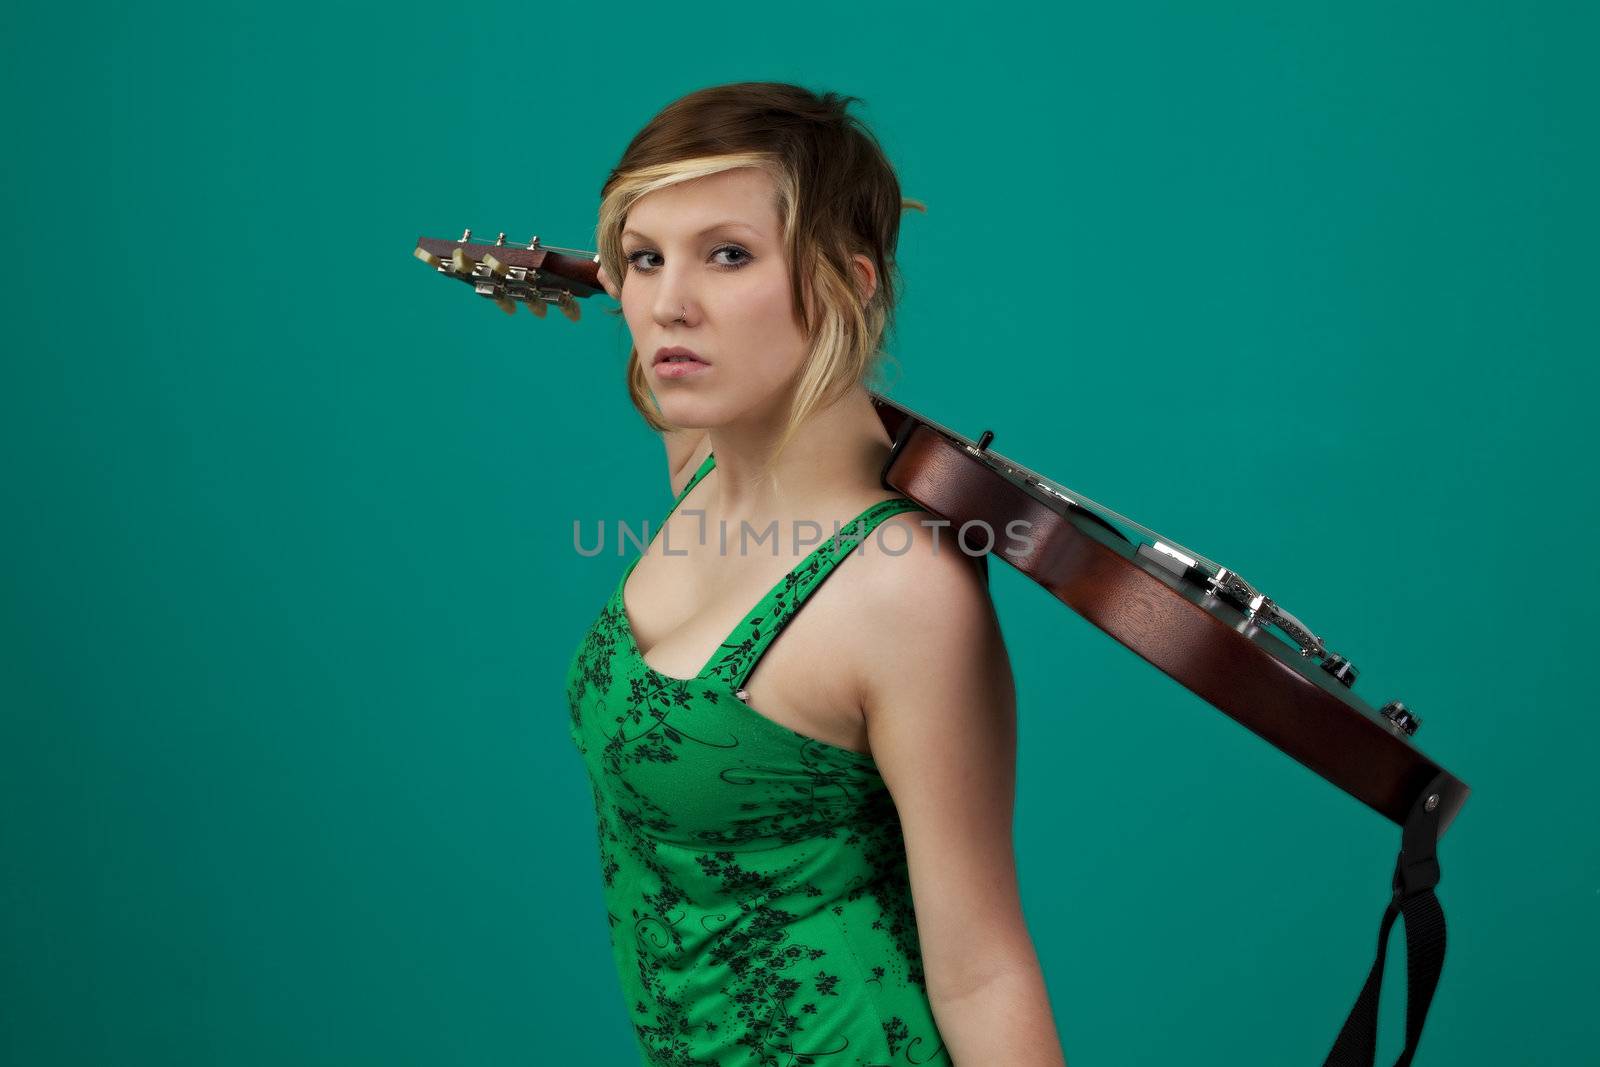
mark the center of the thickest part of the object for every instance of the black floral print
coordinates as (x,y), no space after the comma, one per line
(754,878)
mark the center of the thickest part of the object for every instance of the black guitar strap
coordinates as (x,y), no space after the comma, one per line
(1416,872)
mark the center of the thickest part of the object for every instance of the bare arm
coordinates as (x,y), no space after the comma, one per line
(940,705)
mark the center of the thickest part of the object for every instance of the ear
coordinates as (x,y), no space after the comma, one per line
(866,276)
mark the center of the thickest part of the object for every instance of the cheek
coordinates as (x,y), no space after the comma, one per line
(636,313)
(766,312)
(632,305)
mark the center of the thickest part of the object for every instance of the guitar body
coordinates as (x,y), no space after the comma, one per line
(1166,612)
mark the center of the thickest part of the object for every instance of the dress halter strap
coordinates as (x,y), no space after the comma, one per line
(705,469)
(755,633)
(737,656)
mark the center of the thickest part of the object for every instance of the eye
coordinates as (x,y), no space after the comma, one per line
(632,259)
(740,258)
(737,250)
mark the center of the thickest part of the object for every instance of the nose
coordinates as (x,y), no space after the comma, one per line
(674,298)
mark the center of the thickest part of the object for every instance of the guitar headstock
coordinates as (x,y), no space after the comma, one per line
(535,274)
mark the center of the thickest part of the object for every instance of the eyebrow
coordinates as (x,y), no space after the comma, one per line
(724,224)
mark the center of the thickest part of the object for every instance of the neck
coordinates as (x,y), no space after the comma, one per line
(840,447)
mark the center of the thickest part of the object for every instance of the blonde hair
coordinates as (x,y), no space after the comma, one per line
(837,196)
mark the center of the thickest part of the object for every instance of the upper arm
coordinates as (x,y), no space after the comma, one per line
(940,706)
(686,450)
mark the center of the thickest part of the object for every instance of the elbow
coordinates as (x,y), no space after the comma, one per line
(981,975)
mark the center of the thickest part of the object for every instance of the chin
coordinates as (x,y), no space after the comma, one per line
(703,412)
(690,414)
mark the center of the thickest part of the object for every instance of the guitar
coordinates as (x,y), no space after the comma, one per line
(1199,622)
(535,274)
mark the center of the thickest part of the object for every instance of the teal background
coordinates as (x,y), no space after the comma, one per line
(289,590)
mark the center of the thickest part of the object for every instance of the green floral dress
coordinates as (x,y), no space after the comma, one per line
(755,878)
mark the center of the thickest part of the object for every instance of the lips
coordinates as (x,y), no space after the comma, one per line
(665,354)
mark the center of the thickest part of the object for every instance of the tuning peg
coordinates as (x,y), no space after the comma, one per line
(459,262)
(536,304)
(428,257)
(569,306)
(508,305)
(494,265)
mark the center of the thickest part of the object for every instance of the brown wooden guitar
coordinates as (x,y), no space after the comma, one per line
(1199,622)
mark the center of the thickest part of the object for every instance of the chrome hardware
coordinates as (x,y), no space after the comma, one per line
(1168,550)
(1431,803)
(1263,610)
(1178,564)
(498,241)
(1230,586)
(743,694)
(1052,490)
(534,245)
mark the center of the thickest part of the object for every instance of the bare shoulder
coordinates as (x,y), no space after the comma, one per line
(920,616)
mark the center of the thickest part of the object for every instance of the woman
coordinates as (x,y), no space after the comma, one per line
(805,843)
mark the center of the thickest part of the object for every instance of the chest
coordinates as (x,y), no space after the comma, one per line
(684,761)
(683,611)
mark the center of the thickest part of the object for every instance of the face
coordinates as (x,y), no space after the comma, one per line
(705,271)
